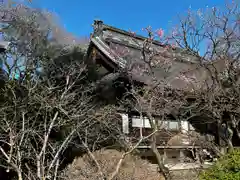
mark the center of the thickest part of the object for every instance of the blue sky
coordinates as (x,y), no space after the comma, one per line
(78,15)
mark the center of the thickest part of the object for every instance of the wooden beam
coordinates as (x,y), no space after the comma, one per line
(170,147)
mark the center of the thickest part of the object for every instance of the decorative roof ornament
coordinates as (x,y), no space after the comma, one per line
(98,27)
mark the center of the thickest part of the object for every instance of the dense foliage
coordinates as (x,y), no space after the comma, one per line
(227,168)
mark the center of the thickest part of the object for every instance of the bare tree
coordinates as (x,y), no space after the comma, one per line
(210,40)
(44,111)
(213,36)
(206,91)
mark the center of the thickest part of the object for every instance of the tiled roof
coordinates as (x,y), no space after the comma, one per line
(124,50)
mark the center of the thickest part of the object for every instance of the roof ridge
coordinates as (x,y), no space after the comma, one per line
(100,24)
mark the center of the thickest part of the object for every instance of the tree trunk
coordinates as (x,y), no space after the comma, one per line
(164,170)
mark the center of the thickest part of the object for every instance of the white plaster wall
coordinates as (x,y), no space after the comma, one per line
(125,123)
(184,126)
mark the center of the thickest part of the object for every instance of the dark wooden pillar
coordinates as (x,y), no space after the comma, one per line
(217,135)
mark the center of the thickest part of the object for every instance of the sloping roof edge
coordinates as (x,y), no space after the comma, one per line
(102,46)
(4,45)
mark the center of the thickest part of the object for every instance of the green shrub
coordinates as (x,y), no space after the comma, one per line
(227,168)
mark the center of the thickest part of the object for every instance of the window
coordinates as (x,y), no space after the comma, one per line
(173,125)
(141,122)
(163,124)
(169,125)
(145,123)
